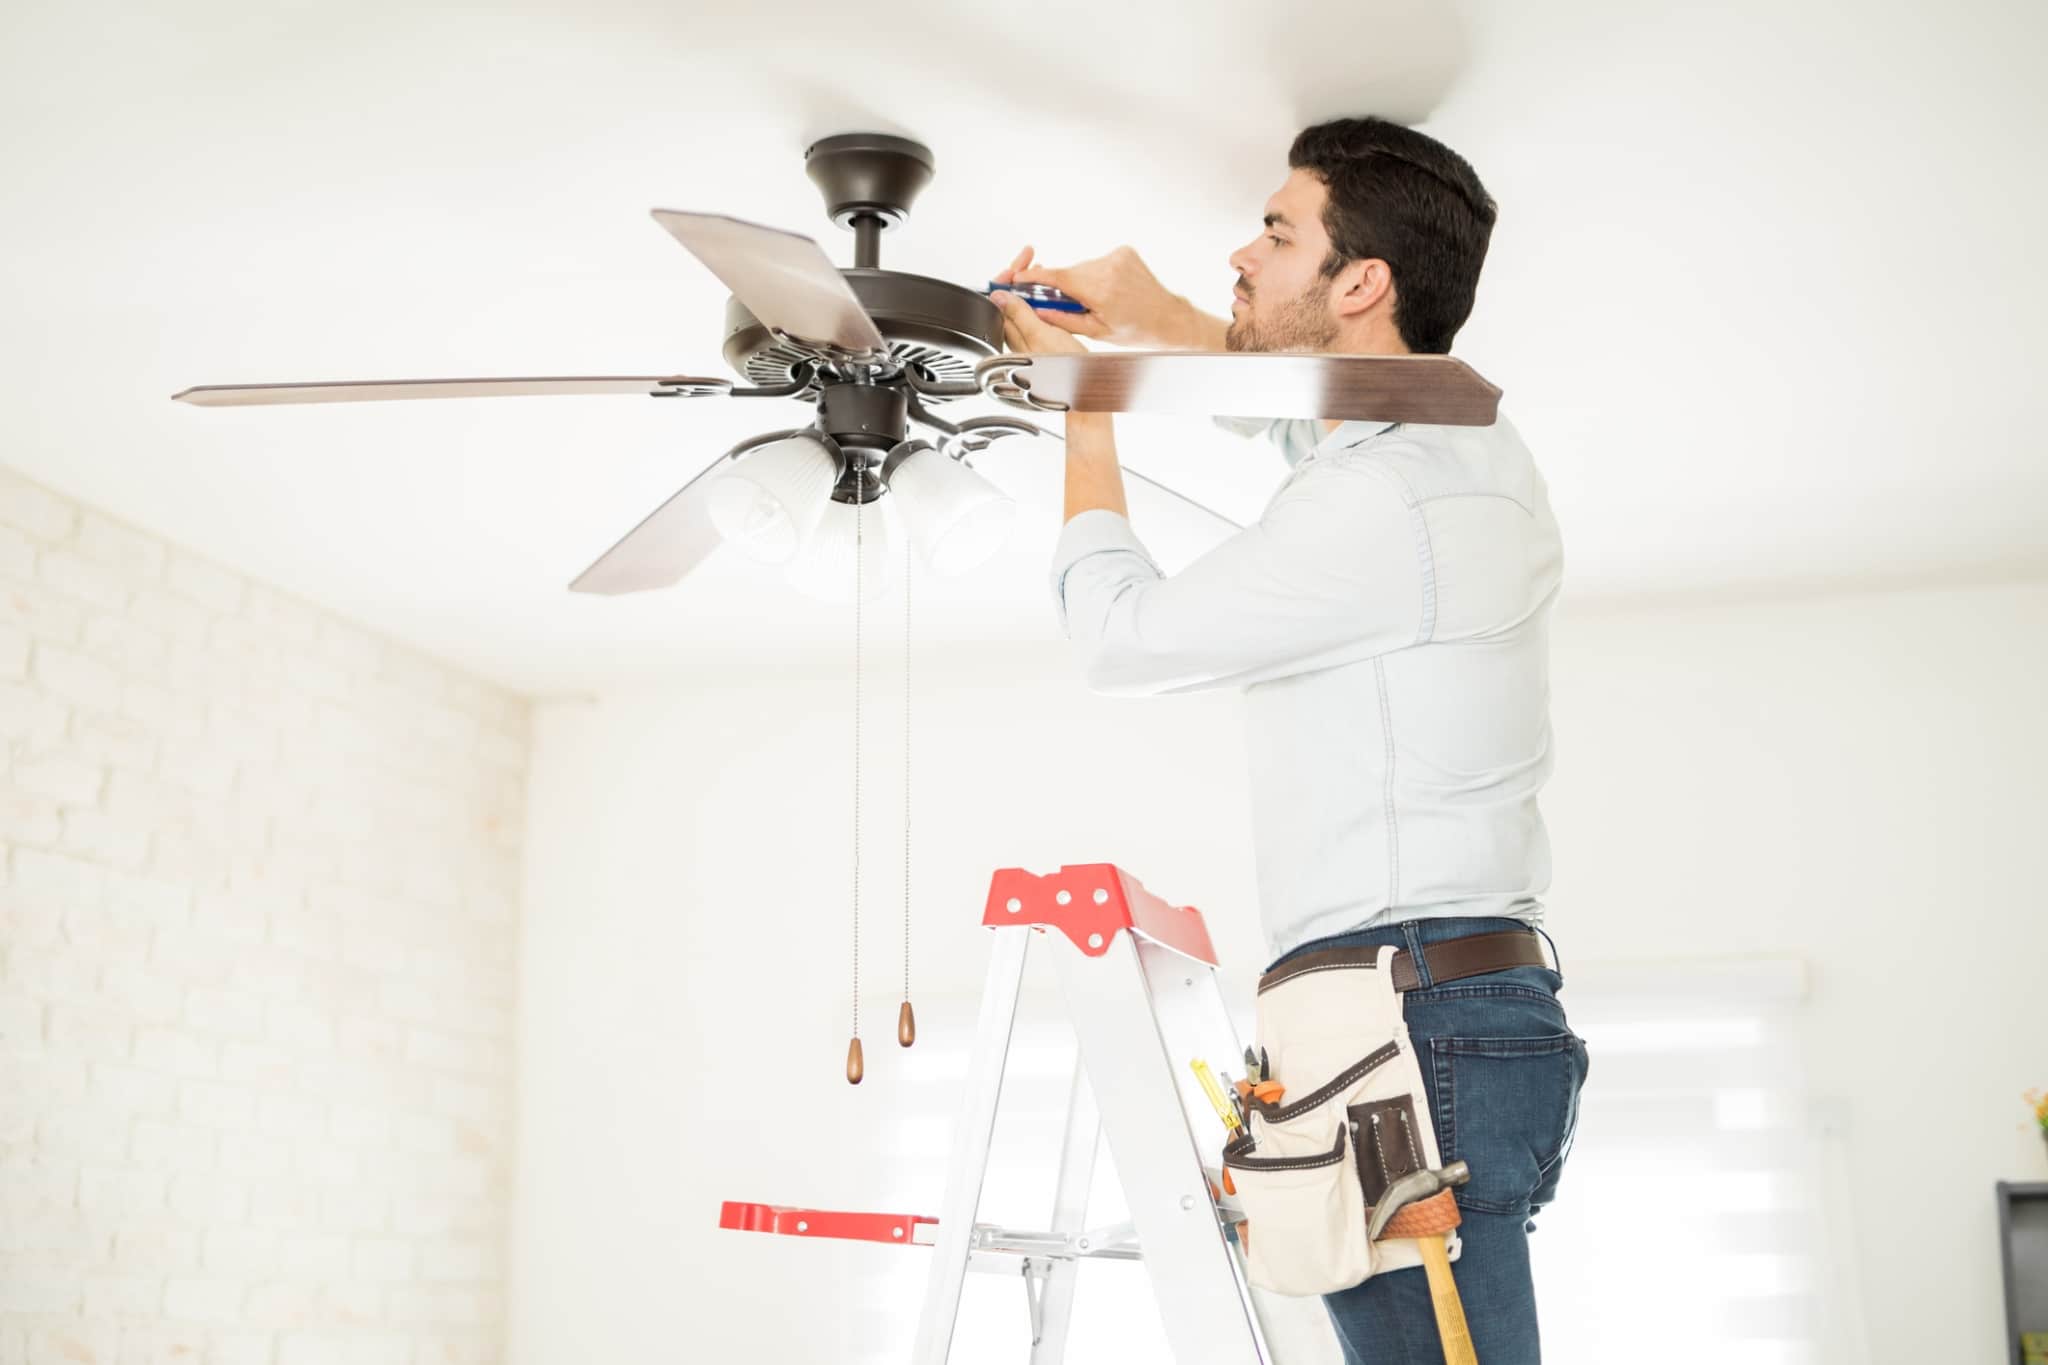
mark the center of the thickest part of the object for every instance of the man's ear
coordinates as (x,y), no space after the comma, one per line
(1360,286)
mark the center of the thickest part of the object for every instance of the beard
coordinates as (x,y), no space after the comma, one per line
(1299,324)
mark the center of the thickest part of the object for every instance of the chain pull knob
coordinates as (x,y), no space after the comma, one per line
(906,1025)
(855,1067)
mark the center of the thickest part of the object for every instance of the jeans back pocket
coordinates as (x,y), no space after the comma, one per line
(1507,1108)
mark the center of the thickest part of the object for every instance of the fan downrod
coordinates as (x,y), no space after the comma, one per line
(869,181)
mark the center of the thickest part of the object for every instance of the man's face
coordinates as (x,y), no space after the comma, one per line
(1282,300)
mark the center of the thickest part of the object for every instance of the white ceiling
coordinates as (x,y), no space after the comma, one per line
(1763,297)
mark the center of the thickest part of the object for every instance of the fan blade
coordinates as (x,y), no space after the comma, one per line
(671,540)
(1177,494)
(245,395)
(783,278)
(1428,389)
(974,424)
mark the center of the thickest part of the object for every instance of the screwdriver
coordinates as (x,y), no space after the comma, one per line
(1225,1110)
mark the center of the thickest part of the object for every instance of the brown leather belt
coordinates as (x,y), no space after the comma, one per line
(1451,960)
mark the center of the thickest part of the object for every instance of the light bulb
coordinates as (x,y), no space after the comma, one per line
(824,567)
(957,518)
(772,496)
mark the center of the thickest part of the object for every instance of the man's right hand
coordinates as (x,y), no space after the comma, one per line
(1126,303)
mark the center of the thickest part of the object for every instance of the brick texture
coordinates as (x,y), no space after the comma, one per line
(258,877)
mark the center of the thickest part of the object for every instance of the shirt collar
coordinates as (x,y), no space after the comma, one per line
(1302,439)
(1351,433)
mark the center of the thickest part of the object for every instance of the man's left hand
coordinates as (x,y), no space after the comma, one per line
(1094,479)
(1024,330)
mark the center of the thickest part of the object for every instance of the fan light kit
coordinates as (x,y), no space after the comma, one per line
(838,503)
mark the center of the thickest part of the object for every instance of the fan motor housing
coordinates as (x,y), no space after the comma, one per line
(936,327)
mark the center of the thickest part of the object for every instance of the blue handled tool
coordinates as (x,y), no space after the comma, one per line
(1040,296)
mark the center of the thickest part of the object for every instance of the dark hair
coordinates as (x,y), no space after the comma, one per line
(1402,197)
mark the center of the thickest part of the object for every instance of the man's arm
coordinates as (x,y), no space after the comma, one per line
(1329,574)
(1185,327)
(1332,573)
(1095,481)
(1126,303)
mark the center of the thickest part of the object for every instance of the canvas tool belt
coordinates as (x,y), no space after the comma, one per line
(1354,1116)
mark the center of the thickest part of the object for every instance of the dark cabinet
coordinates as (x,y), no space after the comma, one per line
(2023,1234)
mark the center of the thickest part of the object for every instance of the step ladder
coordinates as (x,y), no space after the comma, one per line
(1138,979)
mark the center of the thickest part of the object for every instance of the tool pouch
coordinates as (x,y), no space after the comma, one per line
(1353,1119)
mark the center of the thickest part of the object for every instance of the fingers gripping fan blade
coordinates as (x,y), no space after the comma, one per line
(783,278)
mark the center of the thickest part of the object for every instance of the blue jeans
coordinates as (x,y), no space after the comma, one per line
(1502,1070)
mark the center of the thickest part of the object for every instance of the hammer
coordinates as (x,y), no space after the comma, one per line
(1424,1198)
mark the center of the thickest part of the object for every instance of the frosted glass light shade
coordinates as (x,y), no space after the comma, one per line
(957,518)
(824,567)
(771,498)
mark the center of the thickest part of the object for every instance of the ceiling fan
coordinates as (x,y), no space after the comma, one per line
(874,351)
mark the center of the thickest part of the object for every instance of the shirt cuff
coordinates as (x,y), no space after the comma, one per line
(1094,532)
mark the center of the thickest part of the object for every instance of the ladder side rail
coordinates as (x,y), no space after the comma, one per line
(1078,1150)
(1195,1021)
(968,1163)
(1196,1280)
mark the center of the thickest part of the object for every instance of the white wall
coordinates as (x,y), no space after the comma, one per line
(258,875)
(685,950)
(1853,780)
(1857,780)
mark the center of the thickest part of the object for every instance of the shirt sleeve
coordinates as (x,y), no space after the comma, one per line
(1336,570)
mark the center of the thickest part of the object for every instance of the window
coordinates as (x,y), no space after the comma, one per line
(1691,1223)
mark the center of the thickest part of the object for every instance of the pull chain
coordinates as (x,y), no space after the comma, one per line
(906,1018)
(855,1064)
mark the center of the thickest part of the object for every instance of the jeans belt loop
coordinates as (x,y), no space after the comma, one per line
(1412,933)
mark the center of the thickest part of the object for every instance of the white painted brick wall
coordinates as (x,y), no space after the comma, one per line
(258,871)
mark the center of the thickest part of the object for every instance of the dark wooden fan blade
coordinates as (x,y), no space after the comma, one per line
(783,278)
(671,540)
(245,395)
(1433,390)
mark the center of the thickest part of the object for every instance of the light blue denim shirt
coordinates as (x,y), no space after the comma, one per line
(1388,620)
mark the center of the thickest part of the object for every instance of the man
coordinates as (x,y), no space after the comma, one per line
(1387,618)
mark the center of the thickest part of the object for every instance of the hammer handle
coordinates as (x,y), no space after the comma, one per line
(1450,1309)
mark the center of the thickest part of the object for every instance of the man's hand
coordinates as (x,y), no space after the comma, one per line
(1026,329)
(1126,303)
(1094,479)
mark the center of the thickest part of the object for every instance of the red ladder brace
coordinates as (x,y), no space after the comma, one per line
(1139,979)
